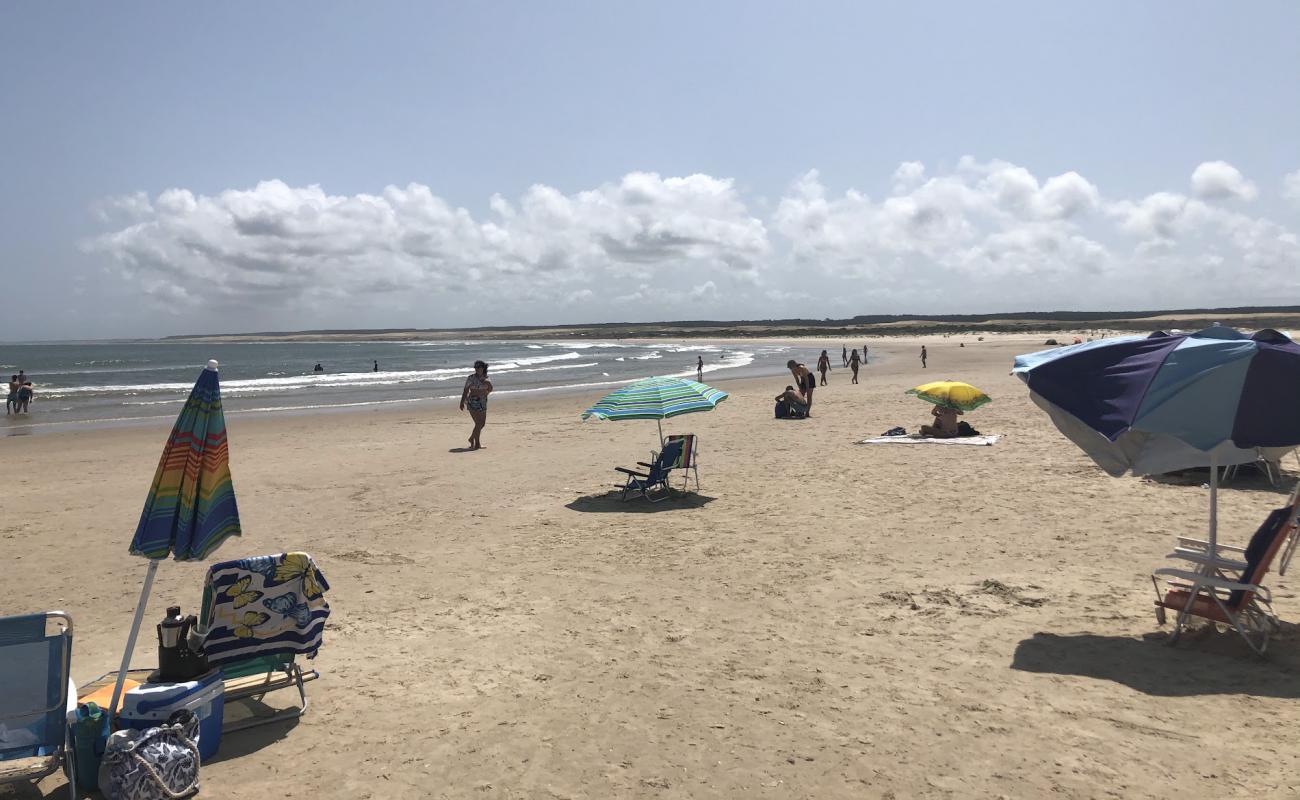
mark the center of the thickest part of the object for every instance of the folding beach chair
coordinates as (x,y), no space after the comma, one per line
(1228,558)
(36,695)
(1226,590)
(655,476)
(258,615)
(688,461)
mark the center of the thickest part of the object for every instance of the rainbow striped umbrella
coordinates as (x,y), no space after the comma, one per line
(190,509)
(657,399)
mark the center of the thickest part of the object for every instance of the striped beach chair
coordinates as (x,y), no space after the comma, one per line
(687,462)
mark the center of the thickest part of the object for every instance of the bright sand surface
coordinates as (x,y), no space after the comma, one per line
(823,620)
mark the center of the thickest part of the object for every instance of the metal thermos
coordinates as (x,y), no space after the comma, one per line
(169,630)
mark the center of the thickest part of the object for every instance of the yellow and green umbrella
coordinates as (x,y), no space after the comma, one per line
(953,394)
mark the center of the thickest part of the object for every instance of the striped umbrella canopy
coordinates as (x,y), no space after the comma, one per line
(190,509)
(1166,402)
(657,399)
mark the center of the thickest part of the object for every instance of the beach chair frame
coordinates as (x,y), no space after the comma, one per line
(689,461)
(1209,589)
(656,476)
(64,755)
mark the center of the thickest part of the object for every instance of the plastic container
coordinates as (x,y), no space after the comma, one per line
(150,704)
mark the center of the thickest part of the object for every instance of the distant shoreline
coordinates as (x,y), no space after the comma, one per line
(1251,317)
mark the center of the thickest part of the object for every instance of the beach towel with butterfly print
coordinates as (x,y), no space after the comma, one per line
(269,605)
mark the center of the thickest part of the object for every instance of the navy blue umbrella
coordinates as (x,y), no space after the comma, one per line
(1165,402)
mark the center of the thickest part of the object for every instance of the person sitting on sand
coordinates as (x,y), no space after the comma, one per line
(791,404)
(823,366)
(945,423)
(803,378)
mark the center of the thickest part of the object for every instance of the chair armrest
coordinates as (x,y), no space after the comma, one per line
(627,471)
(1202,544)
(1200,557)
(1206,580)
(643,464)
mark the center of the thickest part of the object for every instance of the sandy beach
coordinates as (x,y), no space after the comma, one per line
(823,619)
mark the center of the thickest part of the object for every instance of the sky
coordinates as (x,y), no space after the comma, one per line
(204,168)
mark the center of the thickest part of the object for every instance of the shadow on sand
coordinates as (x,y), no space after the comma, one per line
(1204,662)
(241,743)
(1248,479)
(609,502)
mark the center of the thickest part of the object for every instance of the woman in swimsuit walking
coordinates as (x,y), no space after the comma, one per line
(474,398)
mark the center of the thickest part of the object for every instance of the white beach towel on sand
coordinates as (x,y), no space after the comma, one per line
(984,441)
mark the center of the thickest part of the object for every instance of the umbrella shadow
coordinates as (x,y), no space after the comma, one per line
(1204,662)
(611,502)
(1249,479)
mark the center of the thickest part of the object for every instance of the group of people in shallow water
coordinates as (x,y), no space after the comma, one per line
(20,394)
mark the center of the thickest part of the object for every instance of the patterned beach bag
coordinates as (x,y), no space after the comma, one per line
(155,764)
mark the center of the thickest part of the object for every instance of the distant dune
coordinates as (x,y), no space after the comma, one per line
(1250,317)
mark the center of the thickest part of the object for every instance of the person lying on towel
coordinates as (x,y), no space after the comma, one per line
(945,423)
(791,404)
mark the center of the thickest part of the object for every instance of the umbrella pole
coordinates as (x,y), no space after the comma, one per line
(130,640)
(660,423)
(1214,507)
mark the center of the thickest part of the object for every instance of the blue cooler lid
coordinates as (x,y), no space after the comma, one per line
(149,698)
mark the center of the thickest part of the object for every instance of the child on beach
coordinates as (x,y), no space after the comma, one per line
(12,401)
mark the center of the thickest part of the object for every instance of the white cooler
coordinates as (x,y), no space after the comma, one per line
(150,704)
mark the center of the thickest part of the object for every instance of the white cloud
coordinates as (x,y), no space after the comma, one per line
(984,235)
(1220,180)
(1291,187)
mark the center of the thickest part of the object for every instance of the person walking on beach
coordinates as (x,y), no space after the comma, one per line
(803,381)
(699,368)
(923,355)
(823,366)
(853,365)
(376,366)
(474,398)
(844,354)
(864,354)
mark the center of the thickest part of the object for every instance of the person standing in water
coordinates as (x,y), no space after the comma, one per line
(823,366)
(923,356)
(376,366)
(853,365)
(699,368)
(475,397)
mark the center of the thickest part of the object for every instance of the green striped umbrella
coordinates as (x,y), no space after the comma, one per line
(657,399)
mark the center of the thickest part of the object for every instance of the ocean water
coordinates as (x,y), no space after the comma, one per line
(95,384)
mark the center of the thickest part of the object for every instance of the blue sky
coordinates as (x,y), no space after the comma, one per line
(223,167)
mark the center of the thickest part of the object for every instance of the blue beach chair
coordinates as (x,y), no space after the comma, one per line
(37,694)
(655,476)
